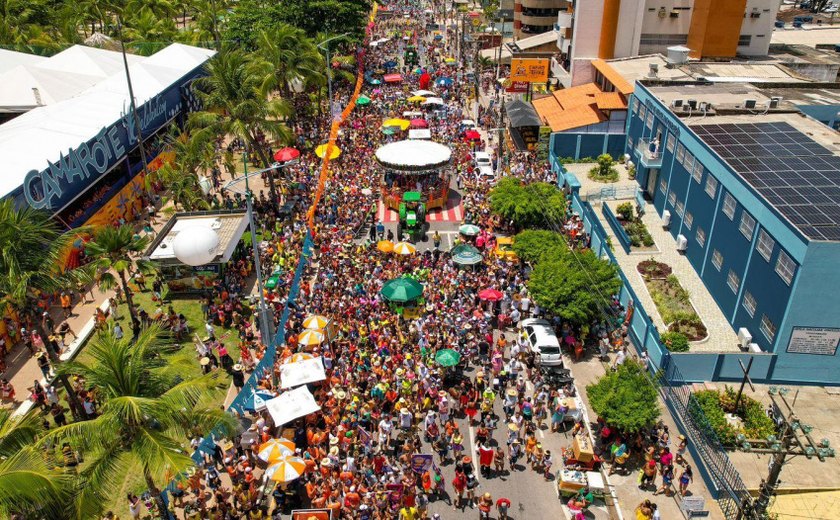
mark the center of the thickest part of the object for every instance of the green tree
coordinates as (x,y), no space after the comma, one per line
(531,244)
(287,58)
(27,485)
(148,31)
(235,104)
(147,414)
(531,205)
(605,170)
(625,399)
(113,250)
(574,285)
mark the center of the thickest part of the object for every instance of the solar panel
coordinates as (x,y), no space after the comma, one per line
(794,173)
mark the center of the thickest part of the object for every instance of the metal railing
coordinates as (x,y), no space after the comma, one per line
(649,157)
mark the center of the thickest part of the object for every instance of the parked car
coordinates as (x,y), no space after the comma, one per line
(487,174)
(482,159)
(543,341)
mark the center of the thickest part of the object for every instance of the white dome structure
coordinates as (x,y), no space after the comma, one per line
(196,245)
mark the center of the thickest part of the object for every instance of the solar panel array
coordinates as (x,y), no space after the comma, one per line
(797,175)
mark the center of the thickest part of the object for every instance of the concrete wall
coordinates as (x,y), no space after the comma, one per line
(579,145)
(586,38)
(629,28)
(820,72)
(761,28)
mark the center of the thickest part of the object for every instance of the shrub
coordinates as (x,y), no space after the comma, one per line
(605,170)
(675,341)
(708,407)
(625,211)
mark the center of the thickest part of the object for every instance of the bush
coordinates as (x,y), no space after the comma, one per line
(625,211)
(715,405)
(675,341)
(708,407)
(605,170)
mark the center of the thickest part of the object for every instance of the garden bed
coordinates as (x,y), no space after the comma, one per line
(714,405)
(634,227)
(672,300)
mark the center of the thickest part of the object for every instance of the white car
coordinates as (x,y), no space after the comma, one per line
(486,173)
(482,159)
(467,124)
(540,336)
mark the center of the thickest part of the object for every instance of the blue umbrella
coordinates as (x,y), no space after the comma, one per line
(444,82)
(256,401)
(389,64)
(438,37)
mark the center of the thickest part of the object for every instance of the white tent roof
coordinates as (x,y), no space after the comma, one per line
(89,61)
(32,139)
(413,154)
(11,59)
(26,87)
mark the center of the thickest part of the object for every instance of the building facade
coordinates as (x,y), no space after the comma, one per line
(750,195)
(531,17)
(709,28)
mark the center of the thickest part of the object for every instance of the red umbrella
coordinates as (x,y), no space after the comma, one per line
(490,295)
(419,123)
(472,135)
(425,79)
(473,14)
(286,154)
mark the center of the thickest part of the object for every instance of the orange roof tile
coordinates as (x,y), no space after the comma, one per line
(576,117)
(573,107)
(576,96)
(610,101)
(612,75)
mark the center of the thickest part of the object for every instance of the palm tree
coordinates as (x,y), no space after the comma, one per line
(113,249)
(287,59)
(32,249)
(27,485)
(148,411)
(235,104)
(148,31)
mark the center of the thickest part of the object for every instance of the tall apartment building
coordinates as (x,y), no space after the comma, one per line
(621,28)
(532,17)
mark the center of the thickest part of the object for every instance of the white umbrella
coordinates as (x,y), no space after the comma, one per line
(424,93)
(433,101)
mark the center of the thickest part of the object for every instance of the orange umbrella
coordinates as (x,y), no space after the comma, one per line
(386,246)
(311,337)
(286,469)
(276,449)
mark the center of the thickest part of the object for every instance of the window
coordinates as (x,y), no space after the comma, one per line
(663,185)
(747,225)
(749,303)
(711,186)
(629,143)
(670,142)
(649,122)
(672,198)
(697,172)
(765,244)
(689,219)
(641,112)
(688,163)
(680,207)
(700,236)
(768,328)
(733,281)
(717,259)
(744,40)
(635,105)
(785,267)
(729,206)
(680,152)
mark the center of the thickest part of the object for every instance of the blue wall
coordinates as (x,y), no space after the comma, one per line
(579,145)
(826,114)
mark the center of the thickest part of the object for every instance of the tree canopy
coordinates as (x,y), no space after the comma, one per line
(527,205)
(625,399)
(576,286)
(531,244)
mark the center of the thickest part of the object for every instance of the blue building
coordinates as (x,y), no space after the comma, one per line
(749,186)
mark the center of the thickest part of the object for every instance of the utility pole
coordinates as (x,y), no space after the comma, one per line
(794,439)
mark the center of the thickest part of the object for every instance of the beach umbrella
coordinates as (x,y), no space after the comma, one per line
(450,60)
(402,124)
(424,93)
(416,99)
(315,322)
(386,246)
(321,151)
(444,82)
(419,123)
(418,70)
(286,154)
(438,37)
(367,191)
(465,254)
(389,64)
(390,130)
(472,135)
(401,290)
(363,100)
(299,356)
(373,81)
(473,14)
(276,449)
(433,101)
(311,337)
(490,295)
(469,230)
(286,469)
(256,401)
(404,248)
(447,357)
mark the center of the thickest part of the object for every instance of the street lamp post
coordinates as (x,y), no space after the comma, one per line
(326,48)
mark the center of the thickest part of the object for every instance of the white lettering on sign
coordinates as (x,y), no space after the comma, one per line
(814,340)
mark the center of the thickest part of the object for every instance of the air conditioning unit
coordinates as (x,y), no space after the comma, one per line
(666,218)
(703,106)
(754,348)
(677,103)
(692,103)
(755,15)
(682,243)
(744,337)
(749,103)
(675,14)
(774,102)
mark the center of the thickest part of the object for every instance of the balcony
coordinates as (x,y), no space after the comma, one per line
(647,157)
(560,72)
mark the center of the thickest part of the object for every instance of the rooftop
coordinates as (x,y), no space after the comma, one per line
(789,159)
(639,68)
(228,225)
(578,106)
(810,35)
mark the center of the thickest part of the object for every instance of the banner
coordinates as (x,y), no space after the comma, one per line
(302,372)
(421,462)
(291,405)
(530,70)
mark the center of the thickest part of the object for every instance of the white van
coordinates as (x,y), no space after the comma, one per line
(539,334)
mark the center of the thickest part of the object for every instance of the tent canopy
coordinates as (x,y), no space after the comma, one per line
(522,114)
(414,154)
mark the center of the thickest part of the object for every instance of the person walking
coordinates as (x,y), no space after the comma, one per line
(686,477)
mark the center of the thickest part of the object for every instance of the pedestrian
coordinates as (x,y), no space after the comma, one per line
(117,331)
(686,477)
(667,479)
(238,377)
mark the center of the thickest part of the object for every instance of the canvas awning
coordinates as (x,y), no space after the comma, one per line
(302,372)
(521,113)
(291,405)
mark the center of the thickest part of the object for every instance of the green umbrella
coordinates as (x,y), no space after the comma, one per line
(363,100)
(401,290)
(465,254)
(469,229)
(447,357)
(390,130)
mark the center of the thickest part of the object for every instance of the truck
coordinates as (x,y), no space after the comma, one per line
(412,217)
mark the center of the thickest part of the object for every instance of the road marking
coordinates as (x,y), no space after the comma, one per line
(472,453)
(458,215)
(381,213)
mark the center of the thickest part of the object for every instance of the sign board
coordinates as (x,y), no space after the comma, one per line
(421,462)
(309,514)
(814,340)
(530,70)
(517,86)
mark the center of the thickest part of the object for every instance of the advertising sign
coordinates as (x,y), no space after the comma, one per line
(517,86)
(530,70)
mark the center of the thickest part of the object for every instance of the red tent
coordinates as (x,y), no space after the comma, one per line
(425,80)
(419,123)
(491,295)
(472,135)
